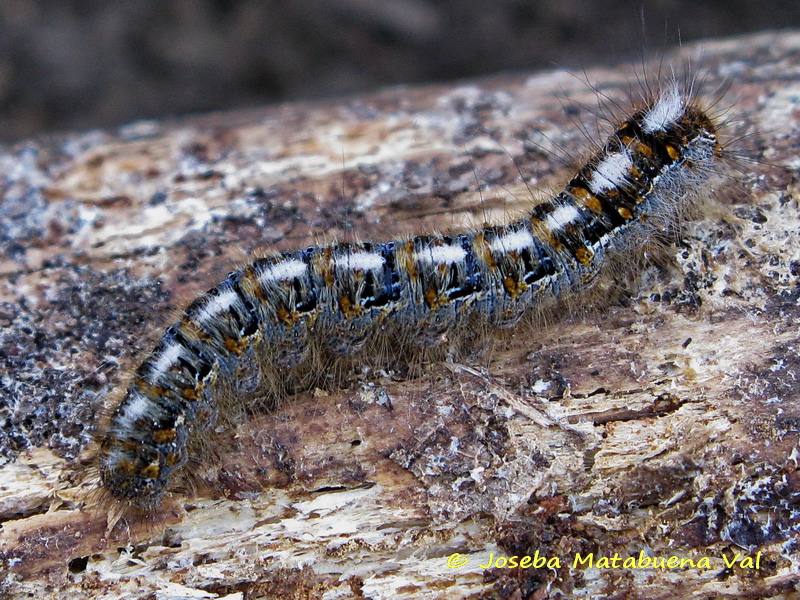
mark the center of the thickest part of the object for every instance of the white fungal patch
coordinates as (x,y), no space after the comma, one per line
(610,172)
(288,269)
(665,111)
(441,255)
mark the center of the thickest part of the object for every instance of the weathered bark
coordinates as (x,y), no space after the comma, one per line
(669,424)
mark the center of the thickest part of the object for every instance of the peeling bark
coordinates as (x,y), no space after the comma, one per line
(668,423)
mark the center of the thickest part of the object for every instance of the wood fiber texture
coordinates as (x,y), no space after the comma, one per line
(666,423)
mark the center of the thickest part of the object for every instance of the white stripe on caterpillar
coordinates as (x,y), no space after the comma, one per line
(365,261)
(512,242)
(447,255)
(666,110)
(134,410)
(611,172)
(217,304)
(283,271)
(334,298)
(561,217)
(166,359)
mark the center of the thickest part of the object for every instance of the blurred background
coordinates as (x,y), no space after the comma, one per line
(78,64)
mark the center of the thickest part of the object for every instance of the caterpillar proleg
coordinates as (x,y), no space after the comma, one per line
(337,298)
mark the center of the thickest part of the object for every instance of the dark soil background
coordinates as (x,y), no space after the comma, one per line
(76,64)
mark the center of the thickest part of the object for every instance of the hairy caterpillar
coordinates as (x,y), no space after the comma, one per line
(639,184)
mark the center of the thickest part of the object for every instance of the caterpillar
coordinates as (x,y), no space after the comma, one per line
(336,298)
